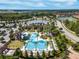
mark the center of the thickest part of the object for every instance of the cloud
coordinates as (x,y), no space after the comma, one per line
(10,1)
(68,2)
(71,2)
(57,4)
(63,0)
(58,0)
(37,4)
(34,4)
(24,2)
(40,4)
(18,4)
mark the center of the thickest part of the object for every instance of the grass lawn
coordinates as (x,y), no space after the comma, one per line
(9,57)
(15,44)
(6,57)
(1,57)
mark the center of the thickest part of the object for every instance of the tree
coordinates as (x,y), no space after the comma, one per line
(43,54)
(26,54)
(66,22)
(76,46)
(12,37)
(31,54)
(2,56)
(1,38)
(18,53)
(38,55)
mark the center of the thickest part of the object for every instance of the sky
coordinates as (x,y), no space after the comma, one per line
(39,4)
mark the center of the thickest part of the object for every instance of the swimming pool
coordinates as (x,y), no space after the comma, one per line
(36,43)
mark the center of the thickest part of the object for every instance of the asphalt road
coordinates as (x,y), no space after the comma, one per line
(67,33)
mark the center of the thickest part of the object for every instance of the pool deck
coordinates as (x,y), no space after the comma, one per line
(50,47)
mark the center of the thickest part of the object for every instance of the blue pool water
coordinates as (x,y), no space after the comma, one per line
(35,43)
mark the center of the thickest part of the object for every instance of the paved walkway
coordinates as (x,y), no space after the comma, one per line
(73,54)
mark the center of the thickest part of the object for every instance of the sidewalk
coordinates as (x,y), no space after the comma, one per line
(73,54)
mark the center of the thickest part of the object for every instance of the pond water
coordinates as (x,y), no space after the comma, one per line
(65,18)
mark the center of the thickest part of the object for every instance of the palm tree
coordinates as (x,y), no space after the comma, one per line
(31,54)
(48,53)
(57,53)
(1,38)
(26,54)
(38,55)
(11,31)
(53,53)
(12,37)
(43,54)
(18,53)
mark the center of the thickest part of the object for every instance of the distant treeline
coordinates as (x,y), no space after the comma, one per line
(19,16)
(14,16)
